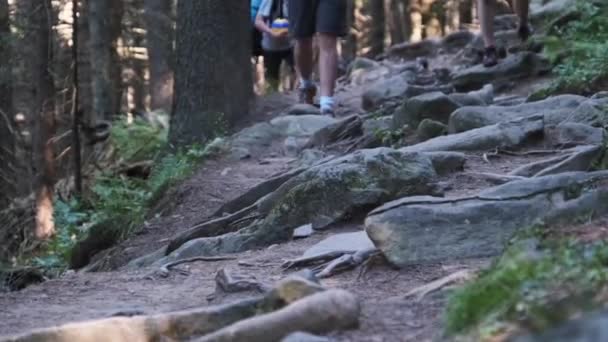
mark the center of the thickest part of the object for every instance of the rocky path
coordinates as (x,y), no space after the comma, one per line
(425,176)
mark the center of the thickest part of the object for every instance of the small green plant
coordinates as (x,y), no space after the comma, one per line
(116,197)
(521,288)
(580,51)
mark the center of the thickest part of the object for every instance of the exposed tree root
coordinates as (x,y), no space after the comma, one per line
(319,313)
(213,227)
(332,262)
(494,178)
(166,268)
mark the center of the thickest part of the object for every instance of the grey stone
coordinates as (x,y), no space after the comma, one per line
(427,229)
(456,41)
(375,125)
(591,327)
(550,9)
(301,125)
(305,337)
(310,156)
(435,106)
(351,242)
(322,195)
(429,129)
(386,90)
(302,109)
(524,64)
(502,135)
(409,51)
(570,134)
(590,112)
(470,117)
(447,162)
(303,231)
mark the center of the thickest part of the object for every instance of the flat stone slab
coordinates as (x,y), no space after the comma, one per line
(341,242)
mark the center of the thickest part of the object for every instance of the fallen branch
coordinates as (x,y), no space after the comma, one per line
(345,262)
(166,268)
(421,291)
(306,261)
(319,313)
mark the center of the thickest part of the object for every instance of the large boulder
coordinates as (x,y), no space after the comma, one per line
(502,135)
(435,106)
(470,117)
(408,51)
(427,229)
(524,64)
(322,195)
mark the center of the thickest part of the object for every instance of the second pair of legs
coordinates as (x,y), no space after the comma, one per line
(487,12)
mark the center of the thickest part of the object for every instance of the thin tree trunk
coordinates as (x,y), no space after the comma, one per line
(159,37)
(76,111)
(85,95)
(466,11)
(213,85)
(378,25)
(37,52)
(104,28)
(7,137)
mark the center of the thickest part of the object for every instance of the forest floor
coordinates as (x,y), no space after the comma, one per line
(387,314)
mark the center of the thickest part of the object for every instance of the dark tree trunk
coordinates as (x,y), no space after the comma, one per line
(159,37)
(213,83)
(36,16)
(465,7)
(85,95)
(105,18)
(7,138)
(378,24)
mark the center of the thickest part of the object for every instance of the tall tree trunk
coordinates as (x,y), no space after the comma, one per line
(7,138)
(465,7)
(159,36)
(37,54)
(397,21)
(105,18)
(212,77)
(85,95)
(378,25)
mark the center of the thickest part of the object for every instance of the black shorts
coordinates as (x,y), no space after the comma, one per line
(307,17)
(273,60)
(256,43)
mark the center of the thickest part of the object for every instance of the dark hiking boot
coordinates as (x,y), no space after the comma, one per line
(307,94)
(524,32)
(490,57)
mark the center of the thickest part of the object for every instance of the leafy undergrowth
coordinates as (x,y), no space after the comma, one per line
(117,197)
(537,283)
(579,49)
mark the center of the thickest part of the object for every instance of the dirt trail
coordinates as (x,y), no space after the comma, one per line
(387,316)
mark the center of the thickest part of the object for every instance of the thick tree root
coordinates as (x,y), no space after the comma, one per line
(332,262)
(166,268)
(185,325)
(213,227)
(319,313)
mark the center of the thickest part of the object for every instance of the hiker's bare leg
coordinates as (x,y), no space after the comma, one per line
(521,8)
(328,62)
(303,58)
(487,12)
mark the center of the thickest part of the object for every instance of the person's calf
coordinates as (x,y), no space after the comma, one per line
(328,69)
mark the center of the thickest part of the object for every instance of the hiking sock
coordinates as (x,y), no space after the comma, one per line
(327,103)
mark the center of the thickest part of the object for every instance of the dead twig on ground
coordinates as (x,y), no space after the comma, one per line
(421,291)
